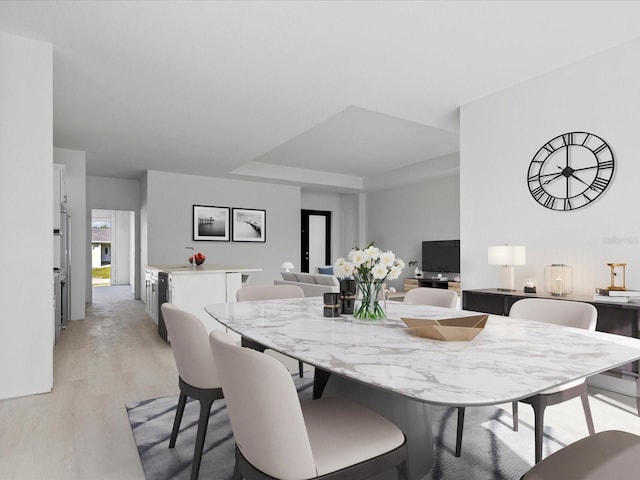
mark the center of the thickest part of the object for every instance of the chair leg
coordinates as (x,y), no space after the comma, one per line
(203,422)
(300,369)
(401,471)
(459,431)
(539,404)
(182,401)
(587,413)
(514,414)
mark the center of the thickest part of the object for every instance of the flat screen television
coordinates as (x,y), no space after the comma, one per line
(441,256)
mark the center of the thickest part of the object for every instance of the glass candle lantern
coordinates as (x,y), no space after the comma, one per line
(558,279)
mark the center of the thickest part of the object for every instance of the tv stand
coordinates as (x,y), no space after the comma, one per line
(411,283)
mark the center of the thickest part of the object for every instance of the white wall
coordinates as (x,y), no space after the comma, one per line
(168,212)
(500,135)
(26,195)
(75,163)
(344,219)
(114,194)
(401,218)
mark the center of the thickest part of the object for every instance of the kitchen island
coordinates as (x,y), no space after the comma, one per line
(191,288)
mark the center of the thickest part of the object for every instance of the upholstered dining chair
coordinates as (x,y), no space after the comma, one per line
(198,377)
(268,292)
(608,454)
(438,297)
(279,437)
(558,312)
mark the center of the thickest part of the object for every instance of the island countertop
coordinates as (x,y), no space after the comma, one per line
(188,269)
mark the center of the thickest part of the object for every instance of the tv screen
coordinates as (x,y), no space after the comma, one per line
(441,256)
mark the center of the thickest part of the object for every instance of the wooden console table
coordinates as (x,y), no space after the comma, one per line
(411,283)
(619,318)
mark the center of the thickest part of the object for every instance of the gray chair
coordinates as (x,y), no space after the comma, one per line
(438,297)
(278,437)
(558,312)
(610,454)
(198,378)
(268,292)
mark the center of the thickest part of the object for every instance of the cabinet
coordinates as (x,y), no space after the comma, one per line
(618,318)
(411,283)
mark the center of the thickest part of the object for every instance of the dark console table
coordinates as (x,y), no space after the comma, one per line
(618,318)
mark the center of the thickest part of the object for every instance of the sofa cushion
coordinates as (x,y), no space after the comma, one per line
(325,270)
(327,280)
(305,278)
(289,276)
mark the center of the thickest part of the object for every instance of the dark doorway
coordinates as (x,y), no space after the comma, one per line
(316,239)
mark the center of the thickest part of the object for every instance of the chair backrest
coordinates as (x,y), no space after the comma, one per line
(438,297)
(264,410)
(559,312)
(190,344)
(268,292)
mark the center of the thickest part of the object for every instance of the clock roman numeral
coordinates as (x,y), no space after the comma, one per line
(549,148)
(605,165)
(567,139)
(599,184)
(600,148)
(538,193)
(567,204)
(585,139)
(550,202)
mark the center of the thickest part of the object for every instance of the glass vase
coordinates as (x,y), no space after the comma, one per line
(369,306)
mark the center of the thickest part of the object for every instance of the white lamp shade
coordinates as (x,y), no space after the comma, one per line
(507,255)
(286,266)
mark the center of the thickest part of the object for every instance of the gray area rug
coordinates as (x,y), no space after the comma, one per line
(491,450)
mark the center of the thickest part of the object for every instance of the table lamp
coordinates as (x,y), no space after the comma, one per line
(507,256)
(287,266)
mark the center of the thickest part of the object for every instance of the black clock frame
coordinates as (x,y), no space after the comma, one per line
(591,187)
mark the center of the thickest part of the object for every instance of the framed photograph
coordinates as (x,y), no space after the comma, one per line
(211,223)
(249,225)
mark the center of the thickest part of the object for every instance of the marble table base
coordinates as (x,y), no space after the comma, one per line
(412,417)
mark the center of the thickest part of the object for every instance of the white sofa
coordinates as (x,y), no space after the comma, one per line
(313,284)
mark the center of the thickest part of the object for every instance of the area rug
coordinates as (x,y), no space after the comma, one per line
(491,449)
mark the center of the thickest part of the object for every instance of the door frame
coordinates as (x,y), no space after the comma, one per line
(304,237)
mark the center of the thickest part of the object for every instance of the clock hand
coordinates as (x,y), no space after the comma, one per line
(547,182)
(582,181)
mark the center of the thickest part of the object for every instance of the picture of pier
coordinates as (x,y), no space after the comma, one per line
(211,223)
(249,225)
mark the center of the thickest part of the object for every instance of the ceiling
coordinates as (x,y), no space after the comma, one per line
(326,94)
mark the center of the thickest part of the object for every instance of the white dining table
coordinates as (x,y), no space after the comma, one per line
(383,364)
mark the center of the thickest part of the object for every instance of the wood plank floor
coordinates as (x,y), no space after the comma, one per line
(81,430)
(115,357)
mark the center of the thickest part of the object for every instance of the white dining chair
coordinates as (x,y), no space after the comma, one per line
(268,292)
(278,437)
(609,454)
(438,297)
(197,375)
(557,312)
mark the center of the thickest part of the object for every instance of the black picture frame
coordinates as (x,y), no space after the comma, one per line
(249,225)
(211,223)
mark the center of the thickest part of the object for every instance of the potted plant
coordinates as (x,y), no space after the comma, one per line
(416,270)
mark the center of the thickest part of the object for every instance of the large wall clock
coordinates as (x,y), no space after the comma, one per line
(570,171)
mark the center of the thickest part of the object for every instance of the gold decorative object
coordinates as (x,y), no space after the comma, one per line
(447,329)
(617,276)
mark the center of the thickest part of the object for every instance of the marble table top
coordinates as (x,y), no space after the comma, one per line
(509,360)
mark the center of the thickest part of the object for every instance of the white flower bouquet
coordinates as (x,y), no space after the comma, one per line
(369,267)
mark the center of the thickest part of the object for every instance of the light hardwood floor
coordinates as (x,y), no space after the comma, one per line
(81,430)
(115,357)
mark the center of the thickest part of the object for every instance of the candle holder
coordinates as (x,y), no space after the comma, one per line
(558,279)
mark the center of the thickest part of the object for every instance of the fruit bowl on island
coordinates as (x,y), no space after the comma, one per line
(199,258)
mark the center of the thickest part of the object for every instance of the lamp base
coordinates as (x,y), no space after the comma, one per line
(507,283)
